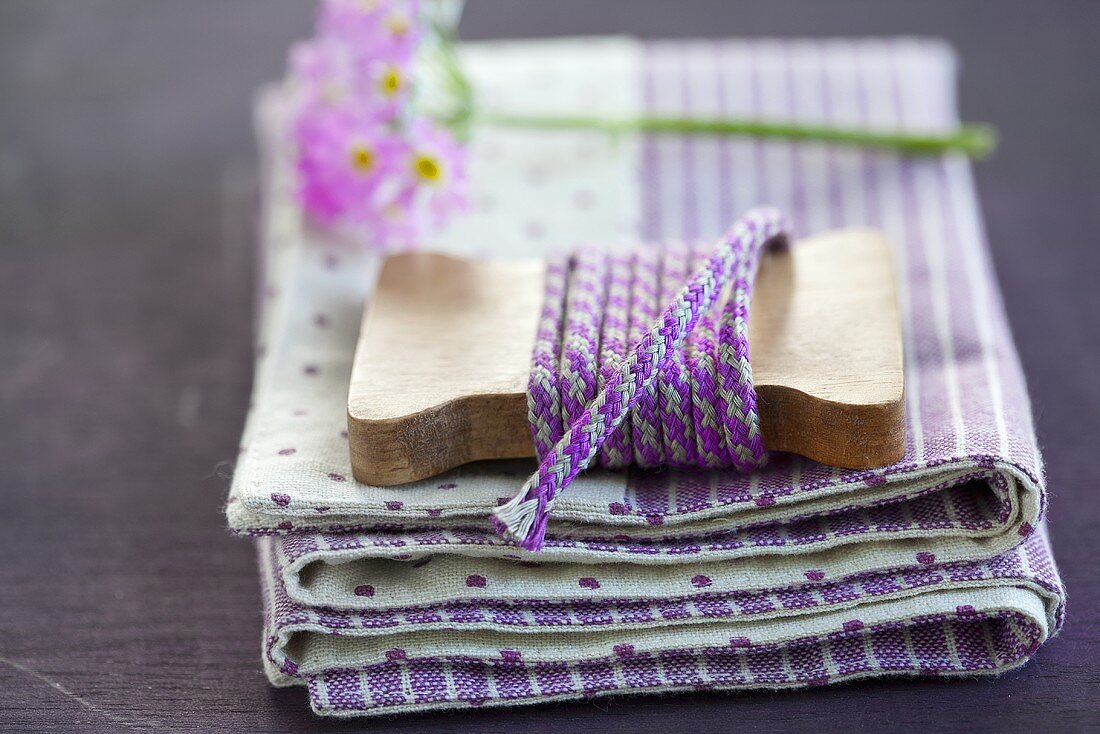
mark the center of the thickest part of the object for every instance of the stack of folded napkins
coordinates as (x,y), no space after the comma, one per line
(403,598)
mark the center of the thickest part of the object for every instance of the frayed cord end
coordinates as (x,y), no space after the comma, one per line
(523,519)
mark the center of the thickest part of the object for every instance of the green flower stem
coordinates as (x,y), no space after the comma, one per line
(461,114)
(975,140)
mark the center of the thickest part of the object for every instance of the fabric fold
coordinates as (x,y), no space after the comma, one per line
(960,619)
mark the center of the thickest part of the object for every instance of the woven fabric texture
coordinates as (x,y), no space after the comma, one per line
(404,598)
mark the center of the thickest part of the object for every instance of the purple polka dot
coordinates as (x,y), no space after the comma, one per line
(320,320)
(537,175)
(290,667)
(815,575)
(925,558)
(396,654)
(282,500)
(448,485)
(740,642)
(311,370)
(965,610)
(624,651)
(765,501)
(655,519)
(584,199)
(322,509)
(394,505)
(337,477)
(287,452)
(588,583)
(476,581)
(286,525)
(435,512)
(534,230)
(1025,530)
(701,581)
(512,656)
(985,461)
(853,625)
(364,590)
(875,480)
(618,508)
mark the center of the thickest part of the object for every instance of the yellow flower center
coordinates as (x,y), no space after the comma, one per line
(398,24)
(391,82)
(368,5)
(427,168)
(362,158)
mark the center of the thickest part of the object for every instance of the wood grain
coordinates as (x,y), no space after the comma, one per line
(441,366)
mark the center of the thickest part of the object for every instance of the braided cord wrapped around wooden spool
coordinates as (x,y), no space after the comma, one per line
(444,374)
(682,395)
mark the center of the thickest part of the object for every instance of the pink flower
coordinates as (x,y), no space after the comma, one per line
(364,160)
(324,73)
(327,74)
(434,173)
(389,85)
(375,29)
(345,155)
(427,186)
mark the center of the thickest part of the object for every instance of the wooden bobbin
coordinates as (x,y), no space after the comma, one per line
(441,367)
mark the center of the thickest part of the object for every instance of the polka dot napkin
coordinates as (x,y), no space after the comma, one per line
(393,599)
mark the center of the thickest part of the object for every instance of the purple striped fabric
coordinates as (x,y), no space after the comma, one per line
(798,575)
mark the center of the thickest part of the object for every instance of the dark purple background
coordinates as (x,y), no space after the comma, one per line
(127,197)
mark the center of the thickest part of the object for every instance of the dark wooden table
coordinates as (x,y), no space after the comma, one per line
(127,200)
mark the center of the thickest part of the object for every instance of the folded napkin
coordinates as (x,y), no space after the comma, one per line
(403,598)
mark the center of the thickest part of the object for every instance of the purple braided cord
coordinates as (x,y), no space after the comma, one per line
(683,405)
(645,422)
(673,382)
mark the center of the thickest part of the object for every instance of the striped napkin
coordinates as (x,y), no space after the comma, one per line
(394,599)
